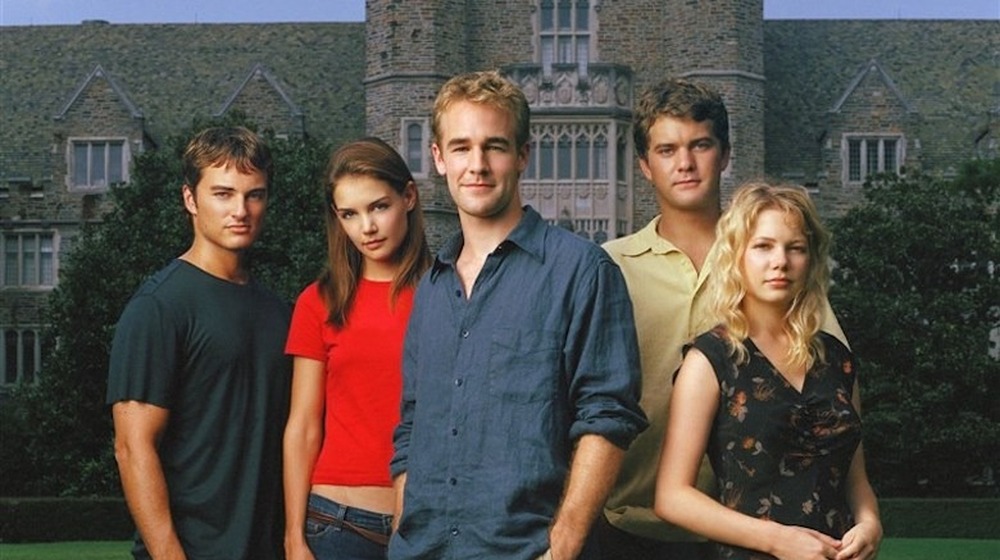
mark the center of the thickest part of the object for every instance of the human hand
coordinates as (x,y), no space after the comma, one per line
(861,542)
(546,556)
(297,549)
(801,543)
(563,544)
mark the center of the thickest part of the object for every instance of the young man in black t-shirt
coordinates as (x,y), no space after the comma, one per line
(198,380)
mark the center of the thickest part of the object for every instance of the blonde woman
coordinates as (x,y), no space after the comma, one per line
(771,398)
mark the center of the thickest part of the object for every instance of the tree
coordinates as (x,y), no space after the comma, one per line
(57,434)
(917,289)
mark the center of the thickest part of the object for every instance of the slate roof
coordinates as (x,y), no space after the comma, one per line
(171,73)
(946,72)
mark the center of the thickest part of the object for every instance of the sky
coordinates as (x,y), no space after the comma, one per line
(63,12)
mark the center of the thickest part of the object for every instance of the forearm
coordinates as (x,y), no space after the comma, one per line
(148,501)
(861,496)
(691,509)
(301,448)
(592,475)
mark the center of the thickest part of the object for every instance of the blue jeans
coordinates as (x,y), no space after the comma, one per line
(329,538)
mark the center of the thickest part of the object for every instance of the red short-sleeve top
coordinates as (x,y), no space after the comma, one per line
(363,379)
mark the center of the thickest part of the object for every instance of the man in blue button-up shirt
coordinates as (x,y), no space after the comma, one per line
(520,370)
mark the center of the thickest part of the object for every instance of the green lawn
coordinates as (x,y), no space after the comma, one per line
(892,549)
(89,550)
(938,549)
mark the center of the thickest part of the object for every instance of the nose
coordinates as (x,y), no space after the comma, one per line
(780,258)
(477,161)
(241,207)
(684,160)
(368,224)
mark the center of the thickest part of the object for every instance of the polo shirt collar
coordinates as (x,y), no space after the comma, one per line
(647,240)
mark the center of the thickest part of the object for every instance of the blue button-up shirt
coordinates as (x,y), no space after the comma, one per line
(497,387)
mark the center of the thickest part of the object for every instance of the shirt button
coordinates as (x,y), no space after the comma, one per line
(454,531)
(452,481)
(465,334)
(458,382)
(458,293)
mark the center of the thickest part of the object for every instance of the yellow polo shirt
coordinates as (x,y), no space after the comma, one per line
(671,308)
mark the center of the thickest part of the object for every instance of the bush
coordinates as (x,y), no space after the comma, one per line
(64,519)
(941,518)
(916,288)
(57,434)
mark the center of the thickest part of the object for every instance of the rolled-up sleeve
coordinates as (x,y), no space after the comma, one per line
(602,356)
(401,435)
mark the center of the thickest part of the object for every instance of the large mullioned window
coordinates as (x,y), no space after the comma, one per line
(867,155)
(97,163)
(564,33)
(28,259)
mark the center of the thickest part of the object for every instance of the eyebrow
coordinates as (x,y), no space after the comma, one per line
(491,140)
(369,205)
(708,138)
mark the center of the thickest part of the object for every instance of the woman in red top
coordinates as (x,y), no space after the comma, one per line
(346,338)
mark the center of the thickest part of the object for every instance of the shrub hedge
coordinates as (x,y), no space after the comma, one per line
(24,520)
(83,519)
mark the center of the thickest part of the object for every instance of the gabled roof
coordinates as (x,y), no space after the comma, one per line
(96,74)
(172,75)
(872,66)
(947,69)
(260,70)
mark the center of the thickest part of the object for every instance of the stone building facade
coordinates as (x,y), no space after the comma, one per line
(820,103)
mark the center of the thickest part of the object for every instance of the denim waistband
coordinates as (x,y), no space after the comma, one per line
(378,522)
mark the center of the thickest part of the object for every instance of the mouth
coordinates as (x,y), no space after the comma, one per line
(240,229)
(778,282)
(373,244)
(687,183)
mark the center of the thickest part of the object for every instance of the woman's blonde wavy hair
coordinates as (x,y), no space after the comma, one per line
(726,283)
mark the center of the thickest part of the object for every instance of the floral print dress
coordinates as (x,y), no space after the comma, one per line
(779,453)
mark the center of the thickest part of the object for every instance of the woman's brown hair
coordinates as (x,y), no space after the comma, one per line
(368,157)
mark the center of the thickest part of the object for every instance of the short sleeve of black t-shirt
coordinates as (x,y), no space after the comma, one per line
(143,361)
(212,353)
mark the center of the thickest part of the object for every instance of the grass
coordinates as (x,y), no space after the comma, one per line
(88,550)
(892,549)
(938,549)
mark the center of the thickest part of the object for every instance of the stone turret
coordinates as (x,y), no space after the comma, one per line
(412,48)
(721,43)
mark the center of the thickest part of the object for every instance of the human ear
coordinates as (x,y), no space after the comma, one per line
(410,196)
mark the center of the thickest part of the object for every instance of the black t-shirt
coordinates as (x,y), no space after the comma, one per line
(212,353)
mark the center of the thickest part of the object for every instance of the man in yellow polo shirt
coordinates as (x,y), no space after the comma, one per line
(681,133)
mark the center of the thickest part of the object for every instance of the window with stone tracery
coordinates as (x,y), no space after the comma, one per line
(577,177)
(564,33)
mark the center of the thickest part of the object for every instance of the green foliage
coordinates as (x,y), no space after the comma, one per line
(57,434)
(945,518)
(25,520)
(917,289)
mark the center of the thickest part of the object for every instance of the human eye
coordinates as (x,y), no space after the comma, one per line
(665,151)
(703,145)
(346,214)
(258,195)
(381,206)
